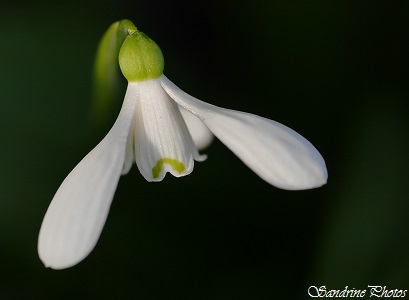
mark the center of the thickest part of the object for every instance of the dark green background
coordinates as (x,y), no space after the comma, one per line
(335,71)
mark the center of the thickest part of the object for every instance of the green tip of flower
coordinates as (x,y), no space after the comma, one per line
(140,58)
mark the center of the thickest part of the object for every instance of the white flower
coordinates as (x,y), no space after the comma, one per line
(151,130)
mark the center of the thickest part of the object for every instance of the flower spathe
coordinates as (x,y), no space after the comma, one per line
(160,127)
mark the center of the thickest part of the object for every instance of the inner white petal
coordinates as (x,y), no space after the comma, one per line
(202,136)
(162,141)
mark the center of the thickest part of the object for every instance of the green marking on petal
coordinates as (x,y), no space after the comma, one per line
(175,164)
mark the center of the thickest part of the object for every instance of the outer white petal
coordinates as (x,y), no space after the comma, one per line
(201,135)
(130,156)
(278,154)
(78,211)
(162,140)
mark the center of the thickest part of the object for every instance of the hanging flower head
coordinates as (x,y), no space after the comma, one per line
(160,127)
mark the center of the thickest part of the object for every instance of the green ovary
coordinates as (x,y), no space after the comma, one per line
(140,58)
(175,164)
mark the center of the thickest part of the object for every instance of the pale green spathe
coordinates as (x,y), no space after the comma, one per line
(106,74)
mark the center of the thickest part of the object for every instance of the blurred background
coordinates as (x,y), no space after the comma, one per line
(335,71)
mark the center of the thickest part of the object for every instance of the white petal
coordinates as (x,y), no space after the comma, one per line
(162,140)
(201,135)
(130,153)
(278,154)
(78,211)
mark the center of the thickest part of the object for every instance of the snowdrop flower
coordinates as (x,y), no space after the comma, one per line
(160,127)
